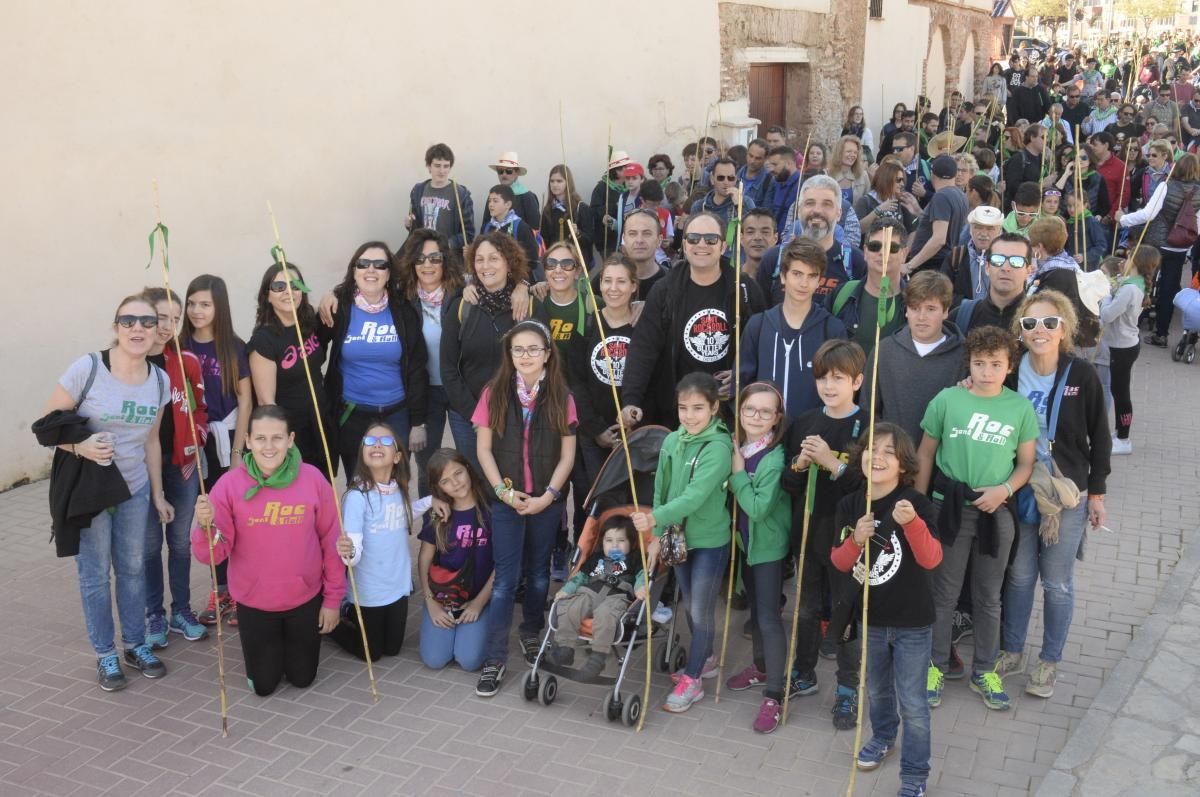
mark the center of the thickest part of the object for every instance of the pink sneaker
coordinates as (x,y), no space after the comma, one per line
(685,693)
(746,679)
(768,716)
(711,670)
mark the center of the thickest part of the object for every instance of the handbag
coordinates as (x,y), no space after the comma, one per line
(1027,508)
(673,549)
(452,588)
(1183,231)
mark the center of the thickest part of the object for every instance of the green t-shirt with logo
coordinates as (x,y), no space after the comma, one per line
(978,437)
(564,321)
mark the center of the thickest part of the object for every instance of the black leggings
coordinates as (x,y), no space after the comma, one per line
(1120,366)
(278,644)
(385,630)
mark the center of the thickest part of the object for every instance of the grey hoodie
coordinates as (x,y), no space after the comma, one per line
(908,381)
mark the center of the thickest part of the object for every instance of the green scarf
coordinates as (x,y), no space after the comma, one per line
(1087,214)
(518,188)
(283,477)
(1136,279)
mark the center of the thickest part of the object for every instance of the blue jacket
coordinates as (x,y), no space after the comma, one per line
(756,188)
(467,221)
(768,355)
(785,195)
(726,210)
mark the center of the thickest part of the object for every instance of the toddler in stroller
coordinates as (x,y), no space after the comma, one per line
(1187,302)
(602,588)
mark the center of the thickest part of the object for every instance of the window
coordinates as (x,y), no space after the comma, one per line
(876,9)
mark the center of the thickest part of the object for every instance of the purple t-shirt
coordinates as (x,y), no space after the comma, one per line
(219,403)
(742,519)
(464,535)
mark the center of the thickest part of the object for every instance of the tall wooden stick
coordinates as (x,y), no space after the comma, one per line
(884,292)
(735,382)
(281,259)
(1078,194)
(161,231)
(607,187)
(461,219)
(799,182)
(810,496)
(612,382)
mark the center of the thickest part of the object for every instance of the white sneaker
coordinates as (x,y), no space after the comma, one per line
(1122,447)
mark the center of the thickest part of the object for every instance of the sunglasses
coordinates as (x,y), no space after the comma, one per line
(1026,214)
(378,265)
(566,264)
(279,286)
(506,171)
(146,321)
(383,440)
(710,238)
(1012,261)
(1049,323)
(433,257)
(708,151)
(1052,192)
(877,246)
(1072,96)
(724,178)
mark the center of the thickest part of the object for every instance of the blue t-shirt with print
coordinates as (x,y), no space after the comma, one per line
(1037,389)
(370,361)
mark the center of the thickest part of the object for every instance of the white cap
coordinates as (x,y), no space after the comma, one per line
(986,215)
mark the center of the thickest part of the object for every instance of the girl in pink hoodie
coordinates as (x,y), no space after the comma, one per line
(274,518)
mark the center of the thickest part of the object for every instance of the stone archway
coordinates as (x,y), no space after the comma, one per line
(935,69)
(966,69)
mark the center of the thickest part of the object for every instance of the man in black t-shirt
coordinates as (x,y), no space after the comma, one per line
(941,223)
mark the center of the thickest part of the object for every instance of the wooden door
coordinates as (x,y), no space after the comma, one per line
(767,95)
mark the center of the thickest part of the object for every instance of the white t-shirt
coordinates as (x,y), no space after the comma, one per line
(924,348)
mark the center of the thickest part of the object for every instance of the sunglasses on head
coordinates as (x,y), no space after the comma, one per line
(379,265)
(146,321)
(877,246)
(565,264)
(433,257)
(1012,261)
(710,238)
(383,440)
(279,286)
(1049,323)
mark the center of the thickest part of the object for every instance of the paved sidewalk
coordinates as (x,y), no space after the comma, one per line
(60,735)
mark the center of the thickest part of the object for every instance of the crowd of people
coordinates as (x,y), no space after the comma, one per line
(958,250)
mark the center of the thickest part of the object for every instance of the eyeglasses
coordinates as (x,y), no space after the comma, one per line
(146,321)
(751,412)
(877,246)
(724,178)
(710,238)
(1026,213)
(709,151)
(527,351)
(1012,261)
(382,440)
(566,264)
(506,171)
(1049,323)
(279,286)
(1072,96)
(433,257)
(378,265)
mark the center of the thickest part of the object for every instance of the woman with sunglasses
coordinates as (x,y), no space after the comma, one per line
(887,198)
(120,396)
(277,364)
(1073,442)
(471,332)
(430,274)
(377,356)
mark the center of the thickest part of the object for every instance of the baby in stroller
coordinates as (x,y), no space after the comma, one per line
(602,588)
(1187,302)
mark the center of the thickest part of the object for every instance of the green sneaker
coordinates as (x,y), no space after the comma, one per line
(989,686)
(1008,663)
(934,682)
(1041,680)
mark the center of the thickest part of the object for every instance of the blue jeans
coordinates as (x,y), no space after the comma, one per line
(435,429)
(769,641)
(521,544)
(1056,565)
(700,580)
(463,643)
(116,542)
(897,663)
(464,438)
(181,494)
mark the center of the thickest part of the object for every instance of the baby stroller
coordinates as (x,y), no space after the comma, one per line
(1187,301)
(611,495)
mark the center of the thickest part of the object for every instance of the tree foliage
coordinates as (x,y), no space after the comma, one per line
(1146,11)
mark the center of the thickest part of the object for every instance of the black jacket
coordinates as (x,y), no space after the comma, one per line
(545,446)
(80,489)
(470,352)
(606,201)
(413,357)
(1083,444)
(554,227)
(1022,167)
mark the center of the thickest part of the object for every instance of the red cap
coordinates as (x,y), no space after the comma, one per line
(633,170)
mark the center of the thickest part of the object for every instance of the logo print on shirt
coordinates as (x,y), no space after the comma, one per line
(373,332)
(393,518)
(291,355)
(983,429)
(618,349)
(885,562)
(279,514)
(431,208)
(706,335)
(135,414)
(561,330)
(470,536)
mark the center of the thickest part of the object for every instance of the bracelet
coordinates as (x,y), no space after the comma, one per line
(75,449)
(557,495)
(837,474)
(501,488)
(1008,487)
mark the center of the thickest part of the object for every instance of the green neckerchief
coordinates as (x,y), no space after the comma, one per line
(518,188)
(283,477)
(1135,279)
(1087,214)
(614,185)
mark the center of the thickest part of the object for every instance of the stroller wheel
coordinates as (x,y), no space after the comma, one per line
(632,711)
(1178,352)
(548,690)
(678,659)
(531,685)
(664,661)
(612,707)
(1189,356)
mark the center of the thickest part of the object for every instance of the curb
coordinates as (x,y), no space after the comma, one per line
(1085,740)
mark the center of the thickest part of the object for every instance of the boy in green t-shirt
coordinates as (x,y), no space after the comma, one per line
(981,440)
